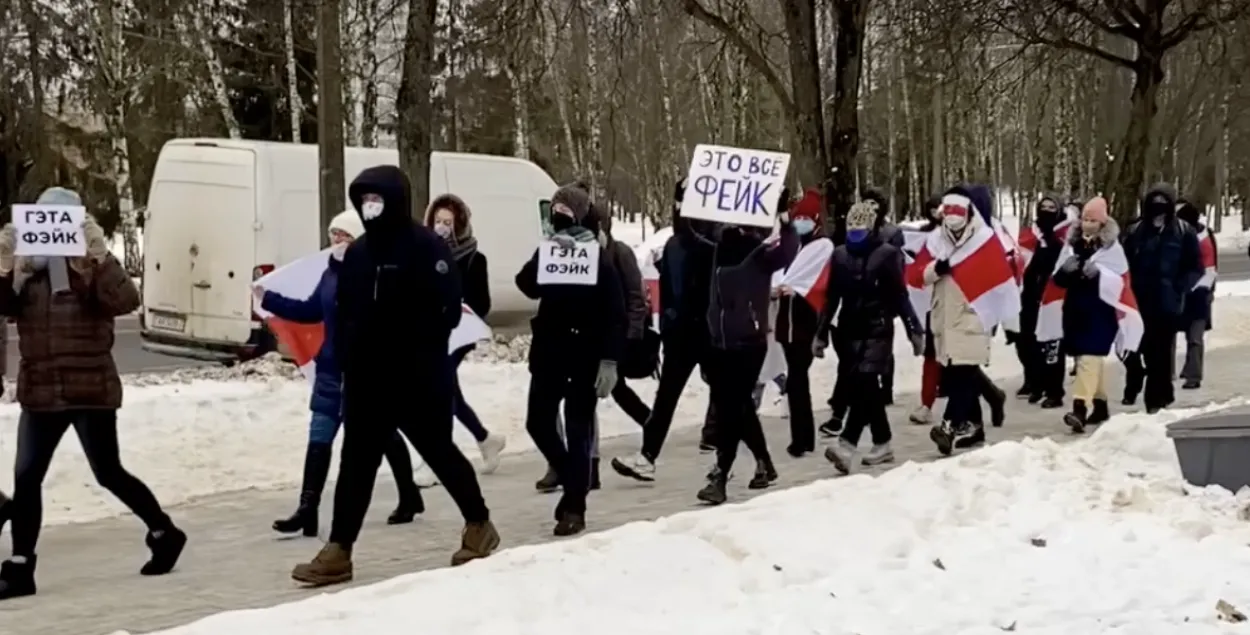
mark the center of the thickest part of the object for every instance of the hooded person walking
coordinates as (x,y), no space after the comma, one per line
(578,338)
(1197,317)
(327,393)
(1043,362)
(398,300)
(1165,264)
(451,219)
(867,292)
(64,309)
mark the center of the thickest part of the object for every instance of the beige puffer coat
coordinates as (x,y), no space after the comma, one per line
(958,336)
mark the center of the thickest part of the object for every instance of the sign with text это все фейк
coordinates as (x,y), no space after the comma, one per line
(734,185)
(50,230)
(576,264)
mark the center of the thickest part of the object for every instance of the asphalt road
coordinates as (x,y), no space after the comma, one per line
(131,358)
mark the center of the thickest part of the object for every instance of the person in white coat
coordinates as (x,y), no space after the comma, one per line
(961,343)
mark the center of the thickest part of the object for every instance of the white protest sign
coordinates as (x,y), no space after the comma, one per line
(50,230)
(734,185)
(576,264)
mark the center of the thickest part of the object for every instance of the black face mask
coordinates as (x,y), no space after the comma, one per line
(1155,208)
(561,222)
(1047,219)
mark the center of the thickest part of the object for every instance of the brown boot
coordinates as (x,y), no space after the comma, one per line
(477,541)
(333,565)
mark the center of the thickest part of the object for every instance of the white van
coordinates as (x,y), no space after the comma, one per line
(221,213)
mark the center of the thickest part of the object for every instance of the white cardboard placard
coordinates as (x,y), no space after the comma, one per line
(734,185)
(578,264)
(50,230)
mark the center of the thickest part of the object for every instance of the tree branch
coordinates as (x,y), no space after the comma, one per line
(753,56)
(1202,20)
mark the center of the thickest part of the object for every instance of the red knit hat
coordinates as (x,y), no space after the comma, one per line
(810,206)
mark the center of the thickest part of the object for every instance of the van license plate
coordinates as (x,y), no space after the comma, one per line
(167,322)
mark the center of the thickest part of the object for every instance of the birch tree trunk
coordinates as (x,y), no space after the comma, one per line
(116,77)
(294,103)
(593,102)
(197,34)
(520,113)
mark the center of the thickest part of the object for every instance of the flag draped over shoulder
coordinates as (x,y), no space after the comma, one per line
(979,267)
(302,341)
(1031,239)
(1114,287)
(808,275)
(913,243)
(1206,249)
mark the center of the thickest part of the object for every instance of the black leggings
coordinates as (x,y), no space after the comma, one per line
(38,435)
(366,435)
(867,410)
(731,376)
(569,457)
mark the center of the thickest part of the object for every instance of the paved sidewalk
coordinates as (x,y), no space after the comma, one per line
(89,580)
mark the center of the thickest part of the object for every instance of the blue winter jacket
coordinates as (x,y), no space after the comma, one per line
(327,394)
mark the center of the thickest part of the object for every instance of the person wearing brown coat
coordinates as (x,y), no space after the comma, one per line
(64,310)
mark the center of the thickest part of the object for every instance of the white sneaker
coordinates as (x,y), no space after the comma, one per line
(922,416)
(424,476)
(636,467)
(842,455)
(491,448)
(879,454)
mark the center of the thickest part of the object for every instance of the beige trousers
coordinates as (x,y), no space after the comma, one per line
(1091,379)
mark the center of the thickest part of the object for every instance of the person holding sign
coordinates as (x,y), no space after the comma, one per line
(327,393)
(867,292)
(398,300)
(737,316)
(64,300)
(578,339)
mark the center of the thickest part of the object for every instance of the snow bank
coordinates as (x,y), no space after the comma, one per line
(1099,536)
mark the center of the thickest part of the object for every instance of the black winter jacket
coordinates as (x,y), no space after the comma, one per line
(577,326)
(398,297)
(866,282)
(476,281)
(737,311)
(1165,262)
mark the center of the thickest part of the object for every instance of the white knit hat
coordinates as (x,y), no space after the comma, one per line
(349,223)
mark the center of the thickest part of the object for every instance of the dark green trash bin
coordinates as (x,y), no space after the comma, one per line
(1214,449)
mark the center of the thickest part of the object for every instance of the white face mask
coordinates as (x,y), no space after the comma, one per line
(338,251)
(954,222)
(371,209)
(442,230)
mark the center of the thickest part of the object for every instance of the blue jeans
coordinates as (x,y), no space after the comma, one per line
(460,407)
(323,428)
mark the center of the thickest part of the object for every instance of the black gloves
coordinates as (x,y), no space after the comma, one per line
(942,267)
(679,190)
(783,202)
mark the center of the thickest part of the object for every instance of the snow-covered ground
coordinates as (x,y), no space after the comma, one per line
(1095,537)
(200,432)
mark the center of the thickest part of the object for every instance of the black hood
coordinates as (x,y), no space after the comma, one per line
(1189,212)
(1159,199)
(389,182)
(931,207)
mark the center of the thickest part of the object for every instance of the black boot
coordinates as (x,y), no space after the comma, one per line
(714,492)
(1076,418)
(594,474)
(969,436)
(550,481)
(1099,413)
(316,469)
(1025,391)
(569,524)
(166,546)
(765,475)
(17,579)
(1051,403)
(997,400)
(410,504)
(831,428)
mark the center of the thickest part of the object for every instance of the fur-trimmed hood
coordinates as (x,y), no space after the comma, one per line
(461,214)
(1107,236)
